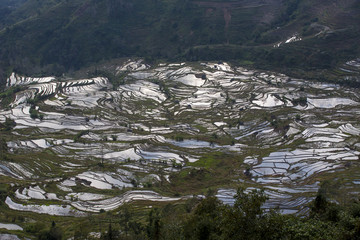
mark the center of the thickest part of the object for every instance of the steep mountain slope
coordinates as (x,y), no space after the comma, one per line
(58,36)
(6,8)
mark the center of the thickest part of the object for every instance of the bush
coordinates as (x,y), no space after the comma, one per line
(3,194)
(54,233)
(179,138)
(34,227)
(78,136)
(9,124)
(33,113)
(302,101)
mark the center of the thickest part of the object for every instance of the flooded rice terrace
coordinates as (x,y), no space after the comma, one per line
(81,146)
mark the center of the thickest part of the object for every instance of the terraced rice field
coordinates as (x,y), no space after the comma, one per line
(171,131)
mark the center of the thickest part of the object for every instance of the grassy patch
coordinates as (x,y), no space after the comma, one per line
(202,129)
(208,161)
(213,170)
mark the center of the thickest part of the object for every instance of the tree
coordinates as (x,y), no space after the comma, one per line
(54,233)
(3,194)
(204,222)
(9,124)
(3,149)
(154,224)
(248,220)
(81,233)
(125,217)
(111,234)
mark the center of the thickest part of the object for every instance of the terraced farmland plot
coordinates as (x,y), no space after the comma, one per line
(170,131)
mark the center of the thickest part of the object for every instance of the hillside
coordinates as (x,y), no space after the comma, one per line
(53,37)
(179,119)
(6,8)
(77,150)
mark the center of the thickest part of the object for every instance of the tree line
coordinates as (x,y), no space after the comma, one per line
(209,218)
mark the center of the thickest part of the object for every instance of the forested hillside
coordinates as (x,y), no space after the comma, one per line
(58,36)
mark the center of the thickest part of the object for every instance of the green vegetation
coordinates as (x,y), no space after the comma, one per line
(208,218)
(209,161)
(302,101)
(202,129)
(246,219)
(78,136)
(53,37)
(7,125)
(3,149)
(3,190)
(35,113)
(8,96)
(54,233)
(92,38)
